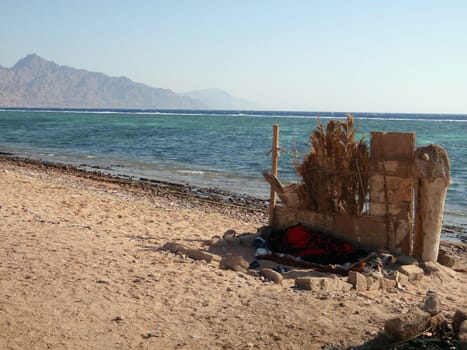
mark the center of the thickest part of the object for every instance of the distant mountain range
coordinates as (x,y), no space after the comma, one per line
(36,82)
(219,99)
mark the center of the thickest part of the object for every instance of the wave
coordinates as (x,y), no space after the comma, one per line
(259,114)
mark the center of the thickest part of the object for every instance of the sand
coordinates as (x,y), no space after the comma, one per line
(81,268)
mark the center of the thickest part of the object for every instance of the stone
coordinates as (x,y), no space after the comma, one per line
(233,262)
(247,239)
(438,323)
(406,260)
(320,284)
(358,281)
(233,241)
(463,335)
(271,275)
(307,283)
(175,248)
(413,272)
(446,260)
(220,243)
(387,284)
(430,267)
(198,254)
(402,279)
(372,283)
(459,316)
(408,325)
(431,304)
(229,234)
(103,280)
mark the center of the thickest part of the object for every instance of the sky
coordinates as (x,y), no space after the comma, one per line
(329,55)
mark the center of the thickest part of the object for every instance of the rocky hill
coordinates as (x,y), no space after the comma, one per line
(36,82)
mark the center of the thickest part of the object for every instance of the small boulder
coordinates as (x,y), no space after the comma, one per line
(387,284)
(372,283)
(430,267)
(446,260)
(272,275)
(247,239)
(318,284)
(406,260)
(358,281)
(408,325)
(175,248)
(198,254)
(431,304)
(233,262)
(413,272)
(459,316)
(463,335)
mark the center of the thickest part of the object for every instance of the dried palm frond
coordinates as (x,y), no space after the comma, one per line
(335,171)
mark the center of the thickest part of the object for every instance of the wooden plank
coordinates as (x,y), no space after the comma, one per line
(274,166)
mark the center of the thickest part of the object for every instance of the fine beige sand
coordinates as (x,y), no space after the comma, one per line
(81,268)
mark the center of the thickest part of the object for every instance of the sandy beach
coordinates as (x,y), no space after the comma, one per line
(81,268)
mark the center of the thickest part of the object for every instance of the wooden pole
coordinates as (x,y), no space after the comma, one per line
(431,167)
(275,157)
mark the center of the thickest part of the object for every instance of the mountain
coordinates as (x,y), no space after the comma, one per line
(36,82)
(219,99)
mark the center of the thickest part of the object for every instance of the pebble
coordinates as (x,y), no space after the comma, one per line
(103,280)
(272,275)
(234,262)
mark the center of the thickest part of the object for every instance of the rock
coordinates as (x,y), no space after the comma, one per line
(103,280)
(463,335)
(229,234)
(198,254)
(430,267)
(247,239)
(234,262)
(413,272)
(387,284)
(219,243)
(407,260)
(272,275)
(319,284)
(431,304)
(459,316)
(175,248)
(233,241)
(402,279)
(357,280)
(307,283)
(408,325)
(372,283)
(213,240)
(446,260)
(438,323)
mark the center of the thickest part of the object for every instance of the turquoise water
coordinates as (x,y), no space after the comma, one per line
(226,150)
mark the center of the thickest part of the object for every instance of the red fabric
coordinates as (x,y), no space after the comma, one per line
(301,241)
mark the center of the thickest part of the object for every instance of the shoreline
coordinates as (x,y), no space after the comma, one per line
(213,196)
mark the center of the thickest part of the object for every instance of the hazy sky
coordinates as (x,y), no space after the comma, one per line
(349,55)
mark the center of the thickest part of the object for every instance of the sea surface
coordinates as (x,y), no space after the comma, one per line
(211,149)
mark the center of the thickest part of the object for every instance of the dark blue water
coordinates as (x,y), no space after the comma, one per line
(222,149)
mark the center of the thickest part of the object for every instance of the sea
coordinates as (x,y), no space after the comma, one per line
(224,150)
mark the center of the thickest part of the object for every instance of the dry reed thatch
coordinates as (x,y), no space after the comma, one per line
(335,172)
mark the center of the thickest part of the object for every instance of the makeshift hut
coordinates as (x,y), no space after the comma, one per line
(390,196)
